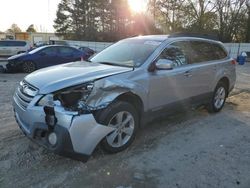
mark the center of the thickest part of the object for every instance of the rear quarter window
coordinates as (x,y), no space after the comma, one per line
(218,51)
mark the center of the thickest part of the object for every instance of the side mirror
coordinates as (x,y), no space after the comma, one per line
(164,64)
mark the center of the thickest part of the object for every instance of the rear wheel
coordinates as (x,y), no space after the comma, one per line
(28,66)
(219,98)
(123,117)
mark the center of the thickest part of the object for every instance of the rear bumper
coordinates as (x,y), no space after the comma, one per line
(77,135)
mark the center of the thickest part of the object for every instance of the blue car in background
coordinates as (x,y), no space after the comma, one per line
(44,56)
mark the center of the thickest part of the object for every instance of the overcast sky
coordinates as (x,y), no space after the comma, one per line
(41,13)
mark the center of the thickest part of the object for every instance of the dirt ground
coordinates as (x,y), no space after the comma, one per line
(196,149)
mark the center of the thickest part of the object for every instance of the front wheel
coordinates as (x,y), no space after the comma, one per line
(28,67)
(218,99)
(124,118)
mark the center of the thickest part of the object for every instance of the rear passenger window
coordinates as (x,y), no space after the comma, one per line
(65,51)
(201,51)
(206,51)
(176,53)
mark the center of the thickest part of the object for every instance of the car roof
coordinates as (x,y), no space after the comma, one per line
(162,38)
(14,40)
(53,45)
(159,38)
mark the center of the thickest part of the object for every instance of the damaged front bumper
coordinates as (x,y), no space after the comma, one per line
(72,135)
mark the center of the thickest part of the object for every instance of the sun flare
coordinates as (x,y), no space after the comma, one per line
(138,6)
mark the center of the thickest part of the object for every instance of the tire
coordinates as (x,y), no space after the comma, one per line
(218,99)
(28,67)
(124,118)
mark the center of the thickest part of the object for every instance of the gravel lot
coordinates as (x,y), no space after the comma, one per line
(195,149)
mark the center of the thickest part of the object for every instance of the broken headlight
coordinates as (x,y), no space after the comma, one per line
(47,100)
(73,97)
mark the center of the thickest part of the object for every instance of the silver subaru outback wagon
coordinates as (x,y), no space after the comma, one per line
(71,108)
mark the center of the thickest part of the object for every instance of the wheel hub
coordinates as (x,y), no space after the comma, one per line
(124,123)
(219,98)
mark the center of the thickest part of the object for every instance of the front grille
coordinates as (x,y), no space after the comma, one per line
(24,94)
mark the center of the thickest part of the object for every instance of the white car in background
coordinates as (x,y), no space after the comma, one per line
(13,47)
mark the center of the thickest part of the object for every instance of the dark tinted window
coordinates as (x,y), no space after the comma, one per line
(87,50)
(204,51)
(176,52)
(49,51)
(66,51)
(3,43)
(12,43)
(218,51)
(17,43)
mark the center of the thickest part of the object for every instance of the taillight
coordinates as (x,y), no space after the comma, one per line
(234,62)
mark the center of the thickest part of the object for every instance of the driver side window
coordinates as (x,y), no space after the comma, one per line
(175,53)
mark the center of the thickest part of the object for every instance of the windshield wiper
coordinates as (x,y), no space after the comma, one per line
(115,64)
(109,63)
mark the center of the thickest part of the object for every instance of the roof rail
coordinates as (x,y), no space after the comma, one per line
(199,35)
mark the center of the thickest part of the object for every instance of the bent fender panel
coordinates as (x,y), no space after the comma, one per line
(86,133)
(107,90)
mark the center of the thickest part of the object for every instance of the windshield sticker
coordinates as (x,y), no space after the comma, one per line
(151,42)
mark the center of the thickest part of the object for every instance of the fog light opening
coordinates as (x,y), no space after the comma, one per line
(43,134)
(52,138)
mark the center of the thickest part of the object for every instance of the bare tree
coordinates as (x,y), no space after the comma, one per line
(200,14)
(231,14)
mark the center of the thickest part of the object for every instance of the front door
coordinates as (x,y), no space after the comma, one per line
(172,86)
(47,57)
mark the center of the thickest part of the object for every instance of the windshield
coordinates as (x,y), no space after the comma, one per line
(129,53)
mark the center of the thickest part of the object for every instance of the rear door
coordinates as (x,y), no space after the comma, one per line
(203,67)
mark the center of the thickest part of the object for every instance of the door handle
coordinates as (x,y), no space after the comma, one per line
(187,74)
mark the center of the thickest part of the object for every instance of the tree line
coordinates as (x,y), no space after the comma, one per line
(102,20)
(14,28)
(111,20)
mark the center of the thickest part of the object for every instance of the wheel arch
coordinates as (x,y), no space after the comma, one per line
(226,81)
(134,100)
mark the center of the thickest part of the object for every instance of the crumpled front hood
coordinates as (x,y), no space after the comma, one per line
(62,76)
